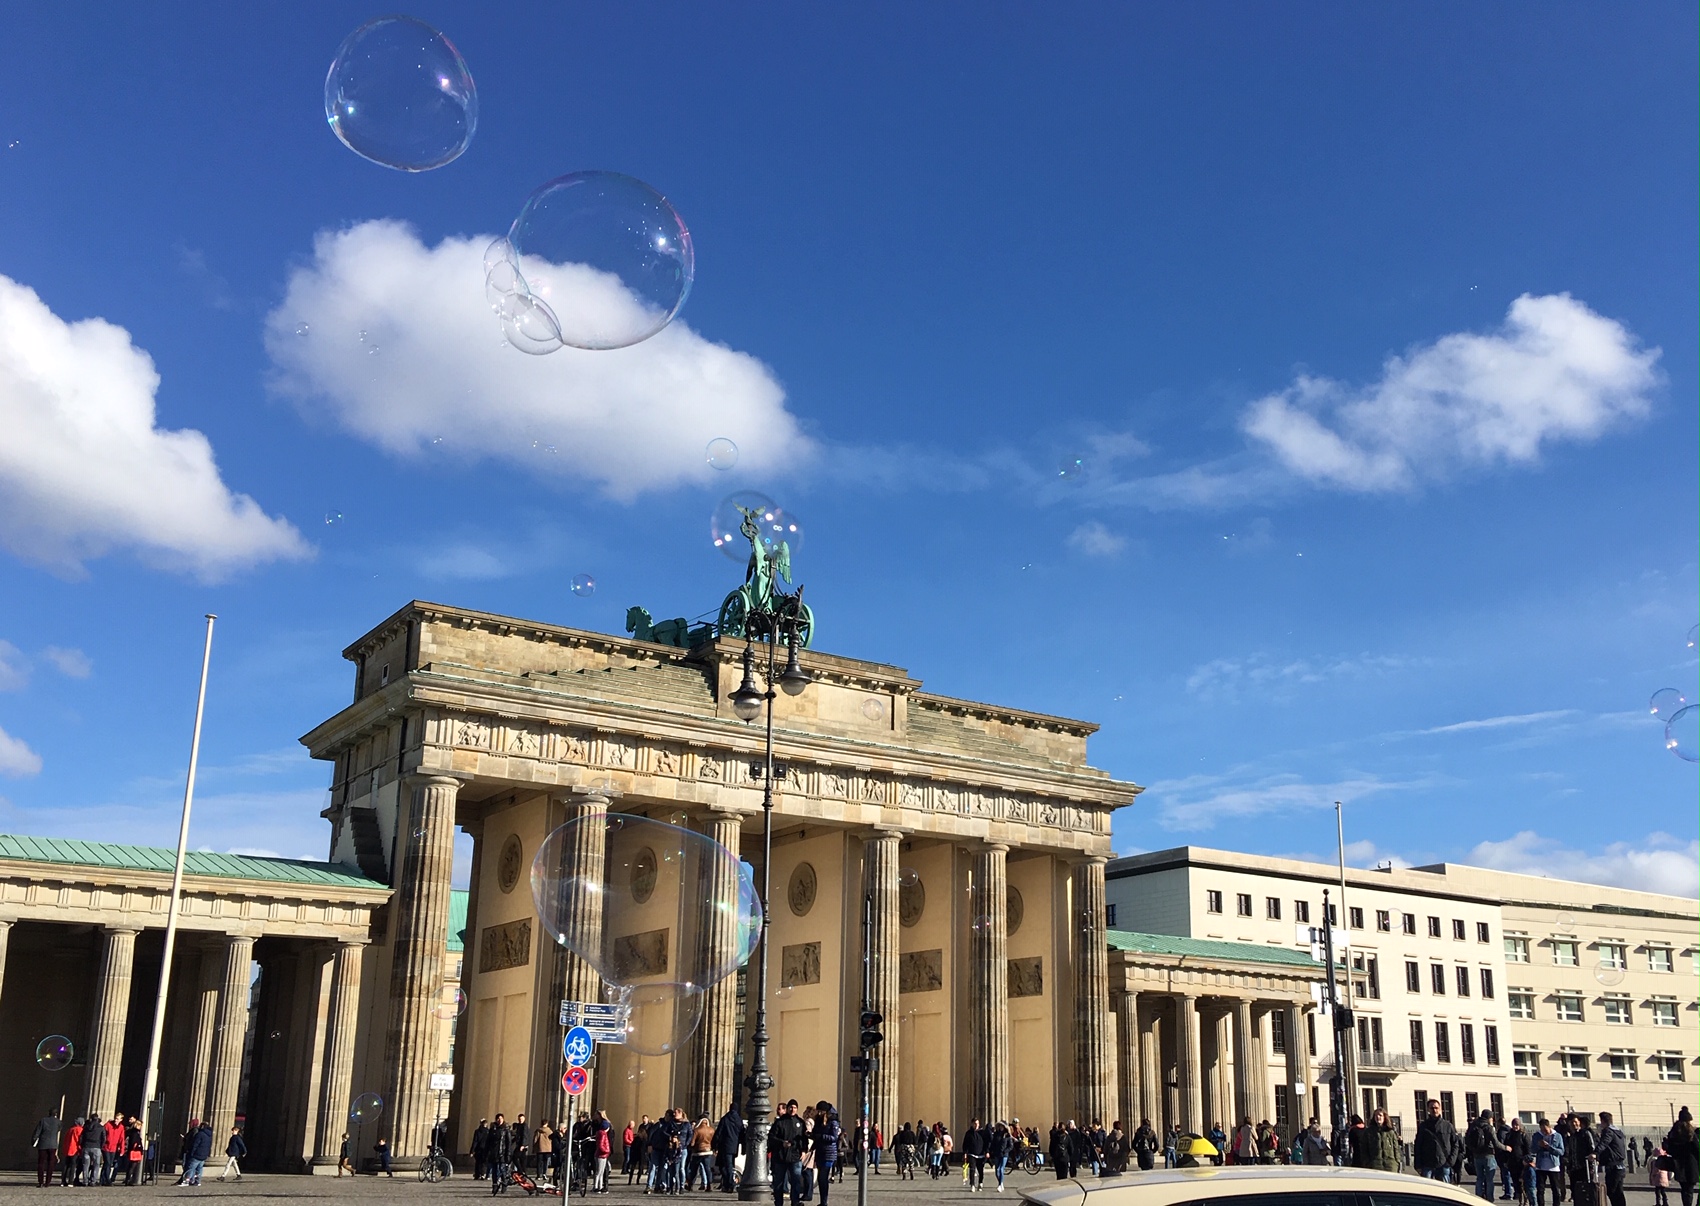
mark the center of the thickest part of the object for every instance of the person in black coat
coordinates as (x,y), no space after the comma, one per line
(499,1153)
(1578,1150)
(1681,1147)
(728,1138)
(1437,1140)
(480,1144)
(1059,1152)
(1145,1145)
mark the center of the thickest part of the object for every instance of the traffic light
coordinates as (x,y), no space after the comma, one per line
(872,1036)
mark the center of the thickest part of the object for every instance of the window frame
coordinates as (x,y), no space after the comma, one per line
(1355,917)
(1213,901)
(1520,1004)
(1437,979)
(1272,908)
(1619,1003)
(1301,912)
(1466,1043)
(1566,1002)
(1526,1061)
(1384,921)
(1419,1047)
(1616,952)
(1484,932)
(1573,945)
(1442,1043)
(1516,948)
(1434,927)
(1459,931)
(1618,1060)
(1408,923)
(1670,958)
(1461,977)
(1487,983)
(1242,904)
(1490,1044)
(1413,976)
(1658,1006)
(1573,1063)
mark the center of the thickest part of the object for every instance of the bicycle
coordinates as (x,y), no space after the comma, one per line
(435,1166)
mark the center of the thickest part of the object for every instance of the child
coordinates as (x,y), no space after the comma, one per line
(1658,1176)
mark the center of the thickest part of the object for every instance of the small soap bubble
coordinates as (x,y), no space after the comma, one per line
(54,1053)
(721,453)
(1693,636)
(302,329)
(366,1108)
(660,1018)
(333,517)
(362,337)
(1682,734)
(583,585)
(1564,923)
(773,526)
(1071,468)
(275,1035)
(373,350)
(908,877)
(873,709)
(1608,974)
(981,924)
(784,992)
(451,1004)
(636,1073)
(528,325)
(398,93)
(1666,702)
(606,257)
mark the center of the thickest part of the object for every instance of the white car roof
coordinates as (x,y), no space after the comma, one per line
(1166,1187)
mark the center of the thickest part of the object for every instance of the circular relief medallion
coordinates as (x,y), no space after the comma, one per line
(509,864)
(1014,910)
(800,893)
(643,875)
(911,902)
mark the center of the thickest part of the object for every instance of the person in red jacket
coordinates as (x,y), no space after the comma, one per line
(73,1148)
(111,1148)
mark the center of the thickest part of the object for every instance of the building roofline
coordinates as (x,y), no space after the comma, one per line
(197,864)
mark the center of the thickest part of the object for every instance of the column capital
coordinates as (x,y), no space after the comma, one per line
(1088,860)
(121,927)
(433,778)
(895,832)
(986,847)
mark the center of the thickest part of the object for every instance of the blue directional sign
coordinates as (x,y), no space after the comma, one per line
(577,1047)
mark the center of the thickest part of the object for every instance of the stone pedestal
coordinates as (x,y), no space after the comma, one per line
(417,927)
(988,984)
(111,1010)
(881,855)
(231,1035)
(1093,1093)
(336,1091)
(713,1054)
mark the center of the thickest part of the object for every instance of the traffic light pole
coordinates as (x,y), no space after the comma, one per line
(866,1126)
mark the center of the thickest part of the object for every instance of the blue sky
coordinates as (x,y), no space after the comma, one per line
(1374,329)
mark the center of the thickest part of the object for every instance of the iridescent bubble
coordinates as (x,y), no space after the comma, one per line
(1682,734)
(1071,468)
(302,329)
(54,1053)
(784,992)
(451,1004)
(1666,702)
(398,93)
(1564,923)
(908,877)
(652,877)
(636,1073)
(873,709)
(606,255)
(1608,974)
(333,517)
(981,924)
(275,1035)
(366,1108)
(583,585)
(528,325)
(1693,636)
(773,525)
(722,453)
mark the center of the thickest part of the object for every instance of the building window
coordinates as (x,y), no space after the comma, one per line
(1278,1031)
(1212,901)
(1614,954)
(1417,1052)
(1520,1003)
(1467,1046)
(1483,934)
(1569,1006)
(1664,1010)
(1420,1096)
(1446,1105)
(1272,908)
(1283,1111)
(1301,911)
(1356,916)
(1242,903)
(1109,916)
(1442,1042)
(1564,952)
(1496,1103)
(1526,1061)
(1659,959)
(1490,1046)
(1310,1032)
(1516,948)
(1487,983)
(1333,912)
(1434,927)
(1462,976)
(1408,923)
(1384,921)
(1573,1065)
(1670,1065)
(1437,979)
(1617,1009)
(1413,976)
(1457,930)
(1472,1104)
(1622,1064)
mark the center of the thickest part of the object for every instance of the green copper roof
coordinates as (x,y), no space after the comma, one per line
(196,862)
(457,920)
(1209,948)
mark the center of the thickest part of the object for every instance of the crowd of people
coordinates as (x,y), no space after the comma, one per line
(90,1151)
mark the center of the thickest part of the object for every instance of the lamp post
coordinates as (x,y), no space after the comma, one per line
(777,622)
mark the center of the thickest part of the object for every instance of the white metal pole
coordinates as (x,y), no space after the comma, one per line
(151,1081)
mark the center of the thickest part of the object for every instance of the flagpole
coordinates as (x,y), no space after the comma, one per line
(151,1123)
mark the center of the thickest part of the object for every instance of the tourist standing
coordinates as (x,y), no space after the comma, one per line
(1144,1145)
(1436,1139)
(1684,1152)
(1484,1150)
(785,1145)
(480,1142)
(1579,1161)
(200,1151)
(728,1139)
(45,1141)
(498,1151)
(1611,1149)
(829,1138)
(1547,1147)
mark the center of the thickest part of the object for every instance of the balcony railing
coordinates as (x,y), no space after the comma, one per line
(1373,1060)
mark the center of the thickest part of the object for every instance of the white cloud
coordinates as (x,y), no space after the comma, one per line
(633,419)
(1554,371)
(1199,802)
(84,470)
(14,668)
(16,758)
(72,663)
(1659,863)
(1259,673)
(1499,722)
(1095,540)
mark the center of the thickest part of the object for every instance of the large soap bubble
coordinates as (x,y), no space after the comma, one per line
(1682,734)
(398,93)
(660,912)
(54,1053)
(1666,702)
(606,257)
(774,525)
(367,1107)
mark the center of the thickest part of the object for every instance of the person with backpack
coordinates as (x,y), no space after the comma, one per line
(1483,1149)
(1144,1144)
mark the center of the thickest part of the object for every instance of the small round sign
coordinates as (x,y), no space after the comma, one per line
(577,1046)
(574,1080)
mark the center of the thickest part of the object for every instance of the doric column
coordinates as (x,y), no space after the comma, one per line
(1188,1074)
(1222,1108)
(1093,1094)
(1127,1060)
(1261,1107)
(572,979)
(5,937)
(336,1086)
(111,1009)
(419,926)
(1298,1065)
(1152,1093)
(232,1034)
(460,1135)
(1245,1097)
(880,857)
(211,975)
(988,985)
(714,1047)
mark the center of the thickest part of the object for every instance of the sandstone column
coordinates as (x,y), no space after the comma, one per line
(111,1010)
(714,1047)
(418,925)
(336,1078)
(880,857)
(5,935)
(1261,1106)
(1298,1063)
(1188,1074)
(1093,1094)
(1245,1101)
(988,985)
(231,1036)
(1152,1093)
(211,975)
(571,977)
(1127,1060)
